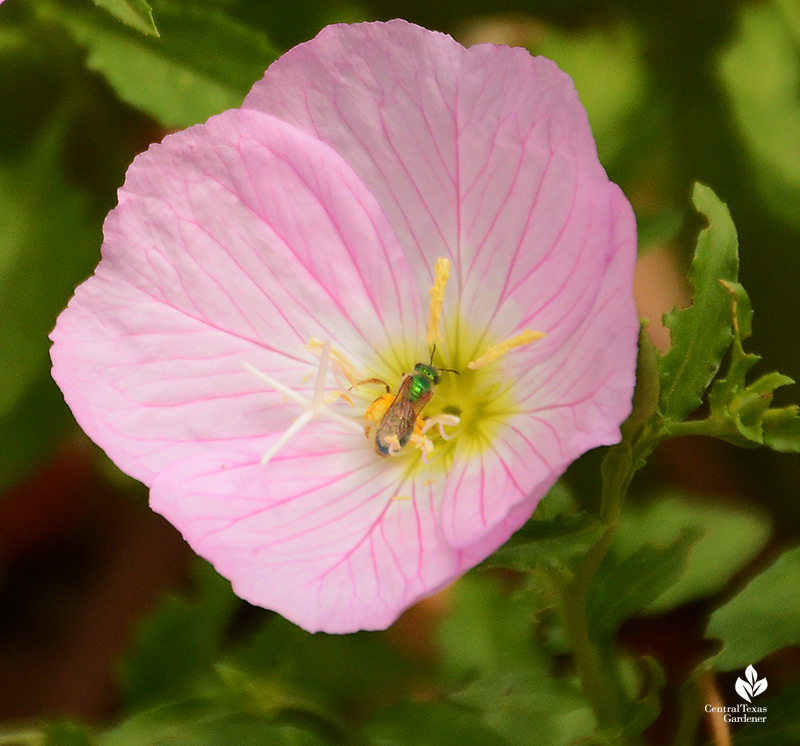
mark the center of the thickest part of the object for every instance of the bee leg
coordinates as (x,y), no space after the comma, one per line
(372,380)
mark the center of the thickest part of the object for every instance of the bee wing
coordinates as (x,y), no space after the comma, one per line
(400,418)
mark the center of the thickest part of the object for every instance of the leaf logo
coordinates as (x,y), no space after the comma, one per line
(752,687)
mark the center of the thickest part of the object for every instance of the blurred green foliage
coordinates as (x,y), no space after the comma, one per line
(676,93)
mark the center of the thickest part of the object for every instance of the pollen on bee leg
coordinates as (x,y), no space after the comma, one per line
(498,350)
(442,272)
(377,409)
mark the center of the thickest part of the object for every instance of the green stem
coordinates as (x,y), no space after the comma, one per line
(600,683)
(597,665)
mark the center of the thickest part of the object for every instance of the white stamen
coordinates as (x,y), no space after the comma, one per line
(450,420)
(315,409)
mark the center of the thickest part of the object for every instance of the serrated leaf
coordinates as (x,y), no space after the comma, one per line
(761,618)
(729,537)
(623,587)
(135,13)
(783,436)
(703,332)
(204,62)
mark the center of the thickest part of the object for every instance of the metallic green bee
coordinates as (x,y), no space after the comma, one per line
(397,415)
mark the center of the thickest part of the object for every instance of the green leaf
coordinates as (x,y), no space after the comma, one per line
(49,242)
(553,543)
(136,13)
(782,726)
(782,429)
(553,538)
(644,710)
(607,65)
(701,333)
(497,669)
(429,724)
(178,645)
(625,586)
(65,734)
(741,413)
(646,394)
(337,671)
(762,618)
(206,721)
(729,537)
(203,63)
(761,73)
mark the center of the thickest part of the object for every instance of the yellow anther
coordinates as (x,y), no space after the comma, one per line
(339,360)
(332,396)
(498,350)
(402,497)
(442,270)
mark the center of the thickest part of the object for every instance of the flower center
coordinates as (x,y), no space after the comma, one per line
(471,396)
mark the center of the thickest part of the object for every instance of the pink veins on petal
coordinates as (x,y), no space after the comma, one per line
(319,211)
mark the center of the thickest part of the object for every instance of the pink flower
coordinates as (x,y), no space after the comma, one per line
(260,265)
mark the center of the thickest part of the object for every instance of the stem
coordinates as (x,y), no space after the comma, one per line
(597,665)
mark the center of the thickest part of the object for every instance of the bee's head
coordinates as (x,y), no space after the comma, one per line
(431,372)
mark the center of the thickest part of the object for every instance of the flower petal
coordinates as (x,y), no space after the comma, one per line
(580,377)
(324,533)
(482,155)
(234,241)
(483,489)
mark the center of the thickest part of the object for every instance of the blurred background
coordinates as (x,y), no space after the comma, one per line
(676,92)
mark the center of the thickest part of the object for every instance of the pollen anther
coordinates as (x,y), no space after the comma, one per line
(500,349)
(442,270)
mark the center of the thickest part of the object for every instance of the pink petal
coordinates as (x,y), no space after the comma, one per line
(315,534)
(234,241)
(517,469)
(483,155)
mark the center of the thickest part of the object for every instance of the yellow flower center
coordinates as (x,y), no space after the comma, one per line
(455,410)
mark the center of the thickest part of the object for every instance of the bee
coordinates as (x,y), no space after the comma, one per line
(398,415)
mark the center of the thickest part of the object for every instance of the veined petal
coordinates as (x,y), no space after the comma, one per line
(235,241)
(324,533)
(524,461)
(580,376)
(481,155)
